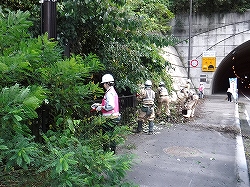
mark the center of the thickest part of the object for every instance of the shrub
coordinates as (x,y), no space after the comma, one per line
(37,80)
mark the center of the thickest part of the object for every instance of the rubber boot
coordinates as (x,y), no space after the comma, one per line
(188,113)
(139,127)
(150,127)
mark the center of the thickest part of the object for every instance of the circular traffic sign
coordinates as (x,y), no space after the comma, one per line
(194,63)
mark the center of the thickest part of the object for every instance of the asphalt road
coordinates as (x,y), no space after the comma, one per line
(199,153)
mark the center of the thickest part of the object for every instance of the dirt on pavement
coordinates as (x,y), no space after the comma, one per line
(199,151)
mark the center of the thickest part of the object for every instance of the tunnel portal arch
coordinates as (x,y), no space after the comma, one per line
(235,64)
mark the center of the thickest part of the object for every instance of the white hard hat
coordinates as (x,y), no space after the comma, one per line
(188,81)
(161,83)
(107,78)
(148,83)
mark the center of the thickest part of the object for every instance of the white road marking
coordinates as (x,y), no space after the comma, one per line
(241,162)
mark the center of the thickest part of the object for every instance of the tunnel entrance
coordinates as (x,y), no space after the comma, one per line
(235,64)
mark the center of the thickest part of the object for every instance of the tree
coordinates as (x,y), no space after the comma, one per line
(122,33)
(33,75)
(125,37)
(209,7)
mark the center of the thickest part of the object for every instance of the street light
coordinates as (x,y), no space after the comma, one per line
(189,38)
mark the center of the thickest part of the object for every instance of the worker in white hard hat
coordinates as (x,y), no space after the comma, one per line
(110,102)
(163,100)
(186,88)
(109,108)
(146,112)
(190,104)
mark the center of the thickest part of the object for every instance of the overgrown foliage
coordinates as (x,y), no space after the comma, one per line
(34,8)
(209,7)
(63,148)
(126,35)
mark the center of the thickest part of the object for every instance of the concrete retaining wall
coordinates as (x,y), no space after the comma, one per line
(221,33)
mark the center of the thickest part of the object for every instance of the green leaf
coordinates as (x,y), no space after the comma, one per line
(71,125)
(32,102)
(3,147)
(26,158)
(19,160)
(18,118)
(59,166)
(65,165)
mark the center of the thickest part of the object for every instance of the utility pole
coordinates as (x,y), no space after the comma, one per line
(48,25)
(48,17)
(189,39)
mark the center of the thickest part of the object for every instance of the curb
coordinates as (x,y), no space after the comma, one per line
(241,163)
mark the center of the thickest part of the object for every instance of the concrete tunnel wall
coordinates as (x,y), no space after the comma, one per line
(226,34)
(239,56)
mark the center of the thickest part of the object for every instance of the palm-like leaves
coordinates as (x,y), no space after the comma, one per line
(17,107)
(12,30)
(69,88)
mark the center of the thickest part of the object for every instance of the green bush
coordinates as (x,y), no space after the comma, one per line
(34,75)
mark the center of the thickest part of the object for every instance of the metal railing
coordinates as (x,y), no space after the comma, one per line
(127,108)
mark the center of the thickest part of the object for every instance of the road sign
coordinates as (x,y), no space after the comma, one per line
(208,53)
(208,63)
(194,63)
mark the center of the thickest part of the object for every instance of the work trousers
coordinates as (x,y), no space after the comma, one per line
(163,105)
